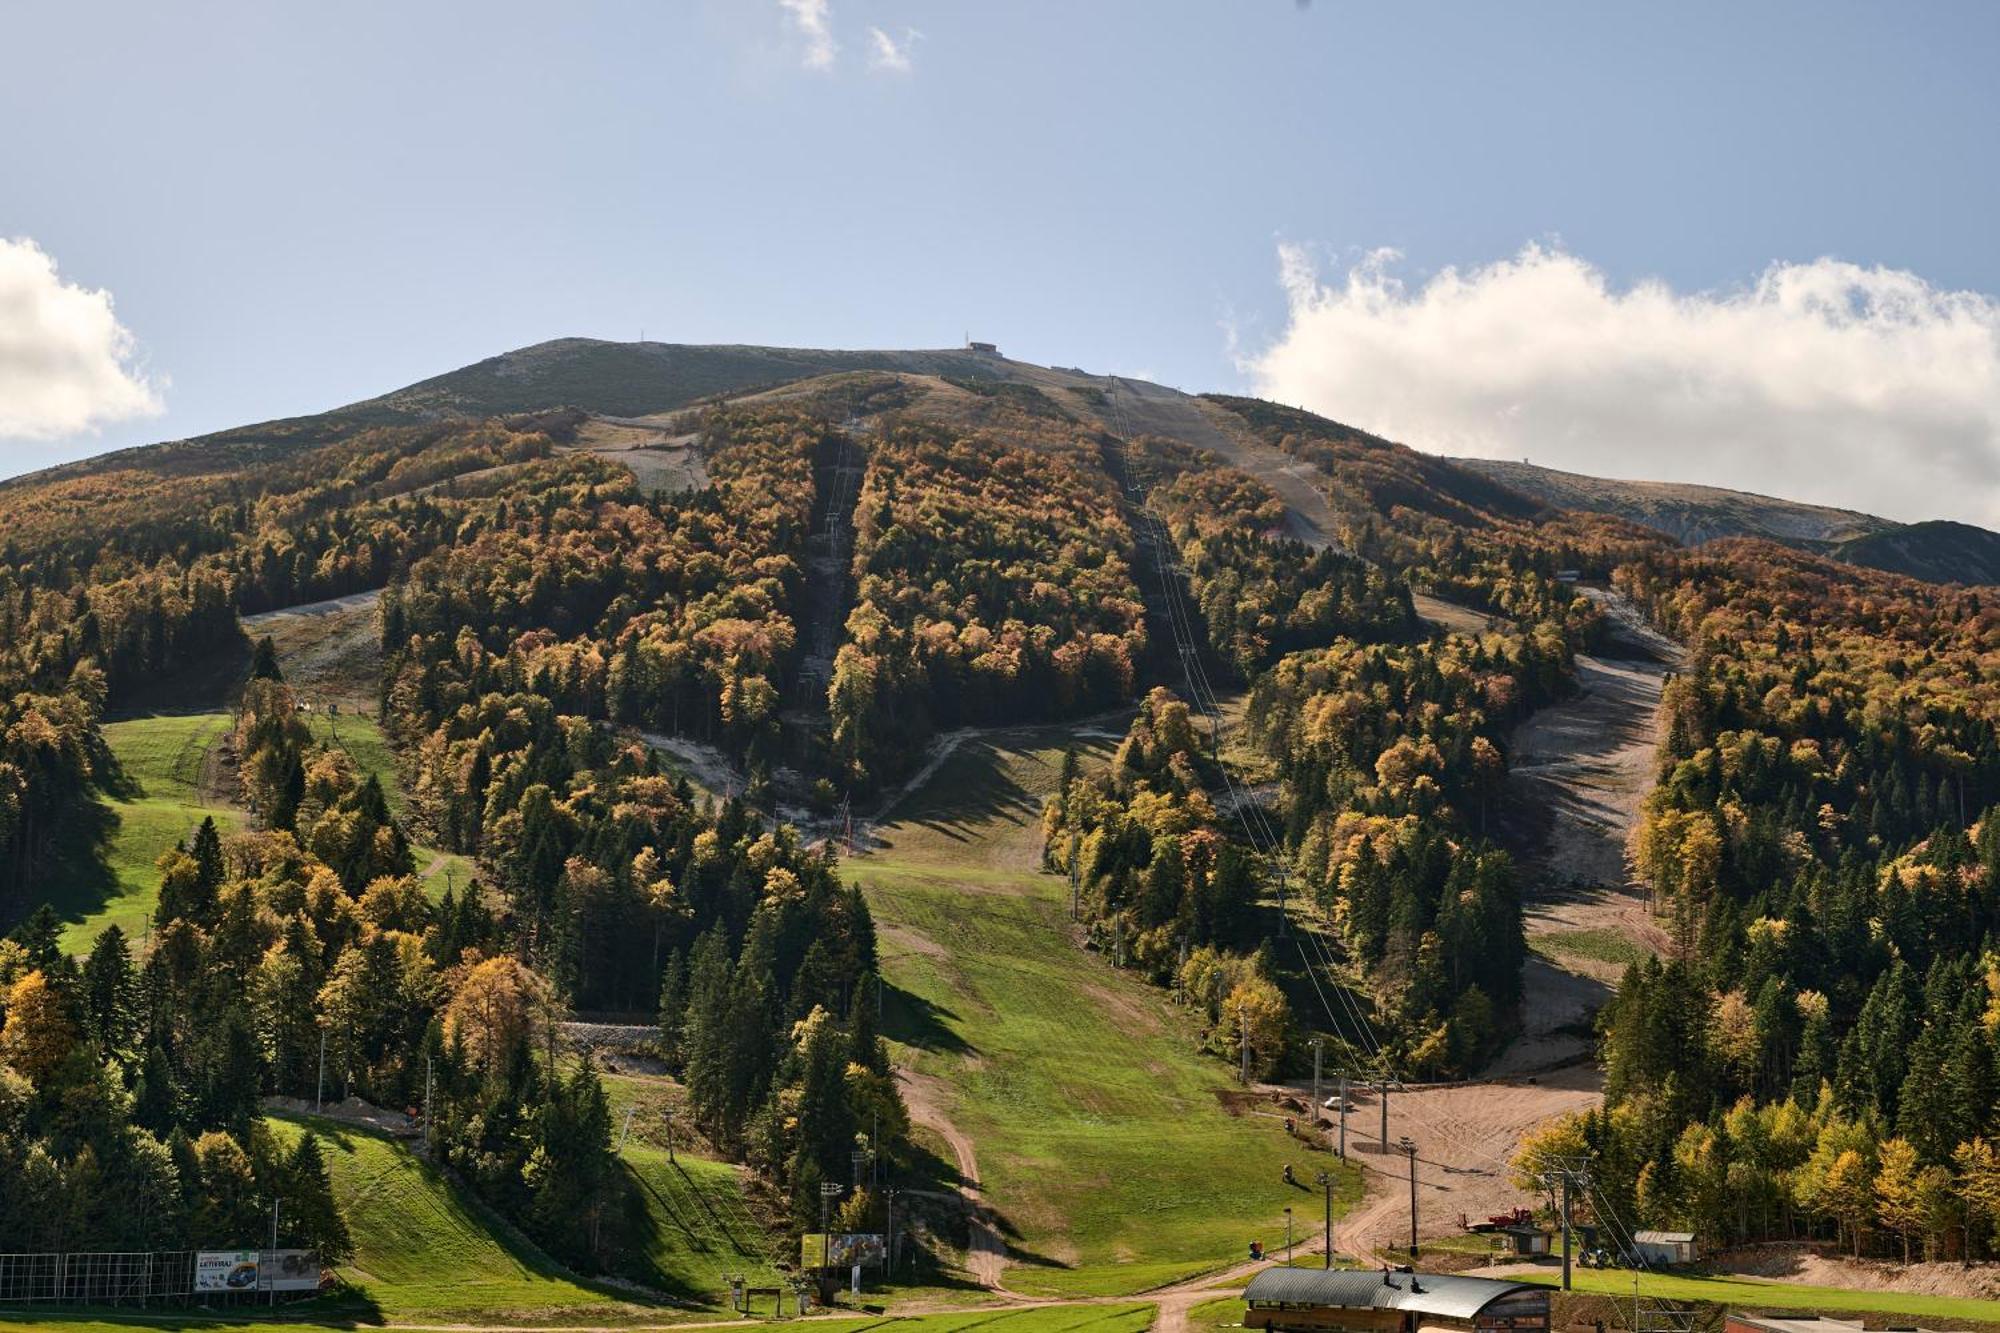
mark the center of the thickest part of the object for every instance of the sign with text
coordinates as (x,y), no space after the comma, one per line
(225,1270)
(219,1271)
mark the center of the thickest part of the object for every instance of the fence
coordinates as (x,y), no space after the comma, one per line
(123,1277)
(97,1277)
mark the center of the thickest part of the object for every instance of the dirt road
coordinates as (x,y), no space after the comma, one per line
(1464,1137)
(986,1253)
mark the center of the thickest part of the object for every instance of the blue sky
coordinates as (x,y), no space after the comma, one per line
(299,205)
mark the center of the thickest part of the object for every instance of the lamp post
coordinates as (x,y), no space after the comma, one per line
(1288,1237)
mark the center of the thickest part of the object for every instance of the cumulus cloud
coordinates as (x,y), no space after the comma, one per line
(814,21)
(889,55)
(66,363)
(1867,388)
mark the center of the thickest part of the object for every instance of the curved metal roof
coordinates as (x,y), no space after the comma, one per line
(1365,1289)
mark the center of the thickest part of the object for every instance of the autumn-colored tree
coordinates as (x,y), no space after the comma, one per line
(497,1005)
(39,1031)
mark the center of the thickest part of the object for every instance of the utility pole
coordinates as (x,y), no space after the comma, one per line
(319,1094)
(1244,1078)
(670,1136)
(1565,1227)
(1288,1236)
(427,1104)
(1326,1184)
(626,1132)
(1315,1106)
(272,1277)
(1408,1146)
(1565,1176)
(1075,880)
(889,1233)
(1343,1117)
(1384,1107)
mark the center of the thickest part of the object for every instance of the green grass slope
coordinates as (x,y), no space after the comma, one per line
(1101,1137)
(424,1251)
(156,802)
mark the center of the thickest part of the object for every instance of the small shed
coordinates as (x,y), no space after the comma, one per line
(984,349)
(1664,1247)
(1524,1240)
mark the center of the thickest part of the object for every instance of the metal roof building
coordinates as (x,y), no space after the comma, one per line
(1665,1247)
(1315,1300)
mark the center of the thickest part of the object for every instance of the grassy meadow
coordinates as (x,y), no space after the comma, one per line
(156,802)
(1102,1136)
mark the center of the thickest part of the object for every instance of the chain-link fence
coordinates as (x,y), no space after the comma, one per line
(97,1277)
(133,1277)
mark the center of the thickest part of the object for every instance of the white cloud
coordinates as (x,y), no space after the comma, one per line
(1823,381)
(814,21)
(889,55)
(66,363)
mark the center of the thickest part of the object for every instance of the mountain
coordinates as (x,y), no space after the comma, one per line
(1688,513)
(637,379)
(1937,551)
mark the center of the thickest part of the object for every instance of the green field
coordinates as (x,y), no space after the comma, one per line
(1601,946)
(1101,1137)
(1758,1294)
(156,803)
(1223,1312)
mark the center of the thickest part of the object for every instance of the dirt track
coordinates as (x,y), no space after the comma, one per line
(986,1254)
(1464,1136)
(1578,772)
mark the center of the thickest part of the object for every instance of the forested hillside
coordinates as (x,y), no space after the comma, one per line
(586,718)
(1817,1055)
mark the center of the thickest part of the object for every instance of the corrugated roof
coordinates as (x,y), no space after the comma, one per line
(1364,1289)
(1665,1237)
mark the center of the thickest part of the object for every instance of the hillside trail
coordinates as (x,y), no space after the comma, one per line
(986,1252)
(1153,409)
(1578,773)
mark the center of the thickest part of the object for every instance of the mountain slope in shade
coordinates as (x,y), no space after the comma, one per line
(1939,551)
(1688,513)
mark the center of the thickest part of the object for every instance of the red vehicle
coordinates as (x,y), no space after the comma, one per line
(1519,1217)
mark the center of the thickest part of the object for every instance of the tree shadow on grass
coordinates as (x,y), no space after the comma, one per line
(77,881)
(915,1021)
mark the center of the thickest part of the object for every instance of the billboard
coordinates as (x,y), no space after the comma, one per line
(225,1270)
(221,1271)
(842,1249)
(290,1270)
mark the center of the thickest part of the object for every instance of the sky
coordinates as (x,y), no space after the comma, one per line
(1748,245)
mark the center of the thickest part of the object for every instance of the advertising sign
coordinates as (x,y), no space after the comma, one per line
(290,1270)
(225,1270)
(842,1249)
(218,1271)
